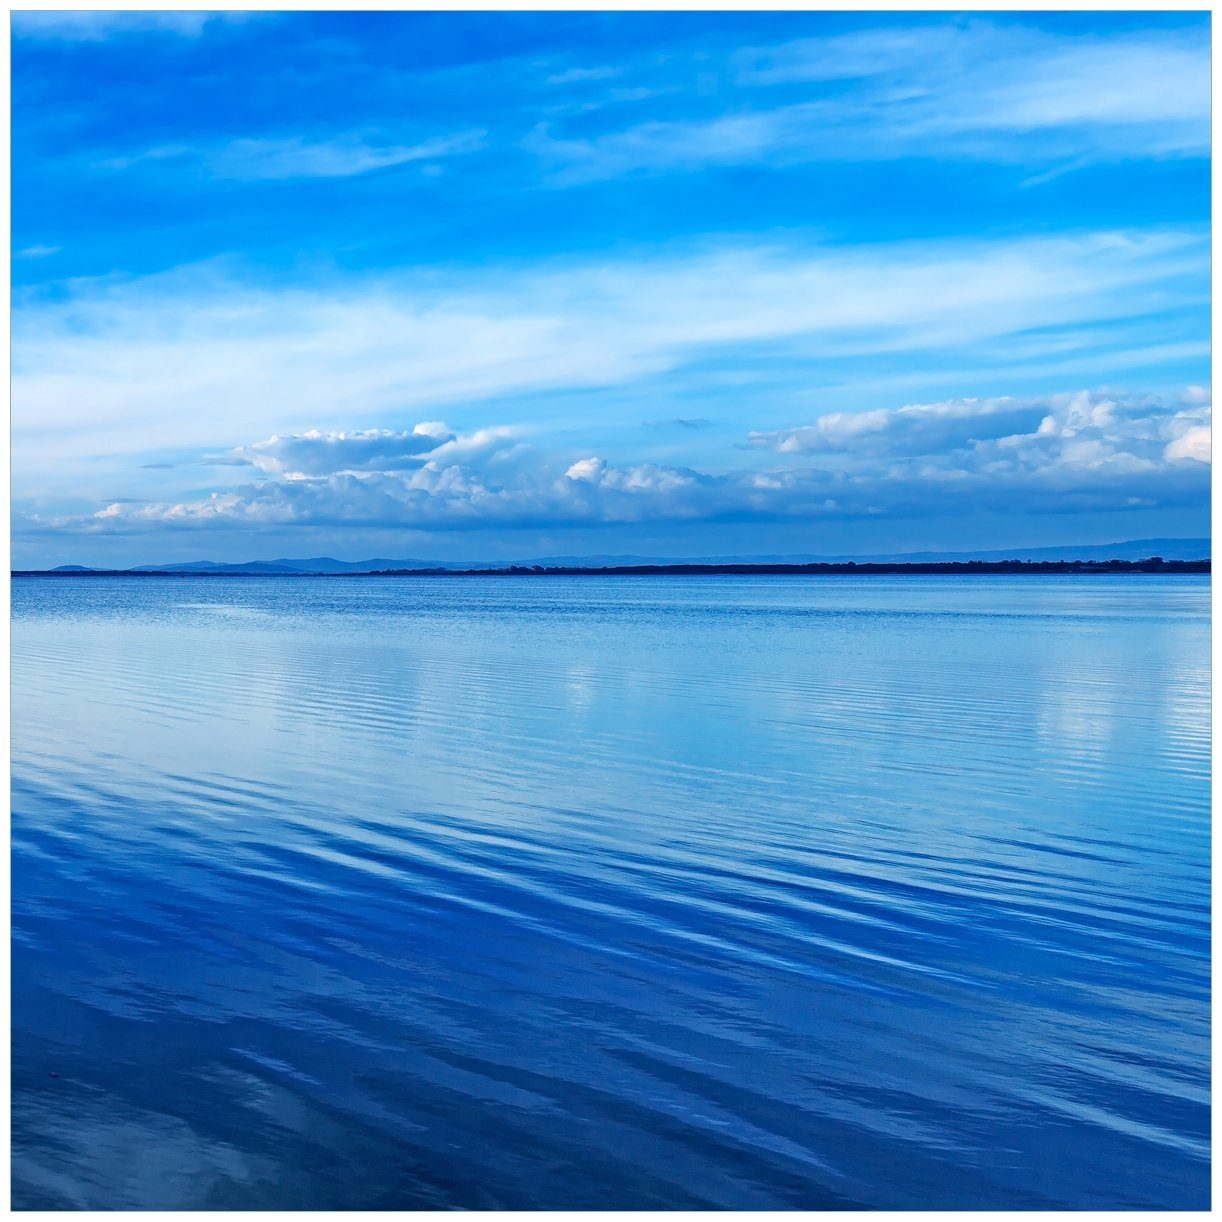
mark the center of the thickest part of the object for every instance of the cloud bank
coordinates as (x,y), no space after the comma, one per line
(1068,452)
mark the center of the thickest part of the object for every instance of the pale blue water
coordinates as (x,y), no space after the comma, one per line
(611,892)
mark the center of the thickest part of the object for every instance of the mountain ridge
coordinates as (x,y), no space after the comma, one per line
(1132,549)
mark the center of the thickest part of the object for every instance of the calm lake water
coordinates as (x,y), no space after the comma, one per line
(611,892)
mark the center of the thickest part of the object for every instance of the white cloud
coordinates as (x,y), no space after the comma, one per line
(252,160)
(918,428)
(96,25)
(1195,443)
(300,455)
(1085,450)
(859,55)
(681,145)
(574,76)
(1157,83)
(1066,440)
(342,158)
(37,252)
(977,90)
(193,357)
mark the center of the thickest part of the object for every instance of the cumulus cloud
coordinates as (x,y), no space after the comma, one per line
(1119,421)
(1082,451)
(302,455)
(919,428)
(1194,443)
(1085,448)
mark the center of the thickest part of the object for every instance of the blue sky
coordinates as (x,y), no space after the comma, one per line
(508,285)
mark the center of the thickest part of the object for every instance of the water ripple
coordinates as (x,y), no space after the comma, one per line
(705,893)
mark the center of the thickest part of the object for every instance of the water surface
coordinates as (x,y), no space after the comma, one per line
(610,892)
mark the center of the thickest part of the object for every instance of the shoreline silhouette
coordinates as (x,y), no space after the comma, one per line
(967,568)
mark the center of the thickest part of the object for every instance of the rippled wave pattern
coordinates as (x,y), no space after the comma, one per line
(611,893)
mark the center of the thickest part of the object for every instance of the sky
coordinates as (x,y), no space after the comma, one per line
(500,286)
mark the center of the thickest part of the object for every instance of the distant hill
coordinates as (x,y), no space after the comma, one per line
(1132,549)
(315,564)
(209,566)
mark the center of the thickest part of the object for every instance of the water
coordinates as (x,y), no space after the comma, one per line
(610,893)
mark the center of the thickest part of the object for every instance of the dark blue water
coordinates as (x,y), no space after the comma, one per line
(610,893)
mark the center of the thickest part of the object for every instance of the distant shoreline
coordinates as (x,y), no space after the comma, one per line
(965,568)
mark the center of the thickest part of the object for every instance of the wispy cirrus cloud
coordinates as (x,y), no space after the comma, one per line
(580,75)
(96,25)
(254,160)
(977,91)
